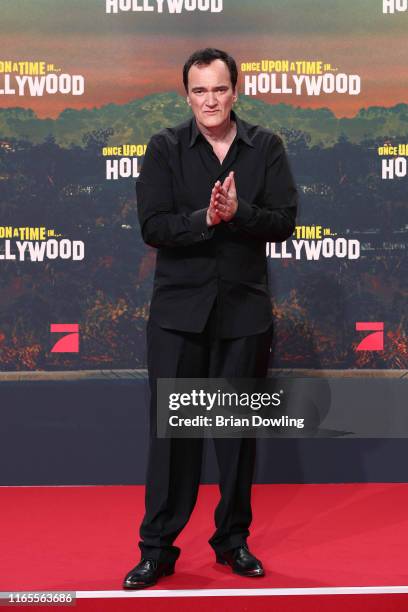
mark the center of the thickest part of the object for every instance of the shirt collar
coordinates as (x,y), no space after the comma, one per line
(242,132)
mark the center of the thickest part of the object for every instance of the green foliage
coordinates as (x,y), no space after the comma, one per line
(137,120)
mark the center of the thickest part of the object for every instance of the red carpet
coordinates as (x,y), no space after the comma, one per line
(85,539)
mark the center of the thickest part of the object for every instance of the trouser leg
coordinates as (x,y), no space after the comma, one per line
(171,491)
(174,464)
(245,357)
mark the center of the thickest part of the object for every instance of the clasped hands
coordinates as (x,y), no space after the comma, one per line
(223,202)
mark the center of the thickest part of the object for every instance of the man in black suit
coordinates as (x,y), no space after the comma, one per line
(212,191)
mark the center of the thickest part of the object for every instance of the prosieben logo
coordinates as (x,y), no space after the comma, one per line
(374,341)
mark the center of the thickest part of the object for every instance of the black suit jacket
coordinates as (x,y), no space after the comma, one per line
(195,264)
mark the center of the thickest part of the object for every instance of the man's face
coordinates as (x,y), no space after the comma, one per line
(210,93)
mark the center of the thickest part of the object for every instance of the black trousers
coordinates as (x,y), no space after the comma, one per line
(174,464)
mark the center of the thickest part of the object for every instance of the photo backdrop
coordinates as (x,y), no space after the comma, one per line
(83,86)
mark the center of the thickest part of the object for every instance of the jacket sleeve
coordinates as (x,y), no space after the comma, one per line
(274,218)
(160,225)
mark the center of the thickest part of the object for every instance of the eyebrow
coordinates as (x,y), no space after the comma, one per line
(202,87)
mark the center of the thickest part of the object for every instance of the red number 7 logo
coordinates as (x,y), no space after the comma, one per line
(375,340)
(68,343)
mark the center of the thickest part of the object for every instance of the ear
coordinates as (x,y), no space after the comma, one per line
(188,101)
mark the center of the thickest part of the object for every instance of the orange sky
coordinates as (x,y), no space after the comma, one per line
(119,68)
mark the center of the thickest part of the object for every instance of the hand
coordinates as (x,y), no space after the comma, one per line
(226,201)
(213,217)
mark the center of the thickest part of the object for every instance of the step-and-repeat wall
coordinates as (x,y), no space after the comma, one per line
(83,86)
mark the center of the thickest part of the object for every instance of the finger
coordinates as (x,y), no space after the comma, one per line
(221,213)
(224,216)
(213,214)
(222,195)
(226,184)
(224,212)
(224,191)
(214,193)
(220,199)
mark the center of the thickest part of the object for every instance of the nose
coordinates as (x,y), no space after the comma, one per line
(211,99)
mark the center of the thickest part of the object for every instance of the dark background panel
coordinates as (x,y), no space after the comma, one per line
(96,432)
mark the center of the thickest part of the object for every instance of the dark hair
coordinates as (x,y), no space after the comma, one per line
(206,56)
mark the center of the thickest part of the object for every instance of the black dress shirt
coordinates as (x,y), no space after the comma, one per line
(197,264)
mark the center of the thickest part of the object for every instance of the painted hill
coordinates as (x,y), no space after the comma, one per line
(135,121)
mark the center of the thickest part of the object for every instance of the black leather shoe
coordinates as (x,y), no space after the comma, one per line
(146,573)
(241,561)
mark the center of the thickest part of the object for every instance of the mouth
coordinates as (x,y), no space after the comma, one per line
(211,112)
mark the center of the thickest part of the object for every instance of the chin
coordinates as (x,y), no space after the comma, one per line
(212,120)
